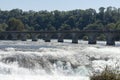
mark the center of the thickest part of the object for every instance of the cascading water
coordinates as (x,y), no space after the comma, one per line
(55,61)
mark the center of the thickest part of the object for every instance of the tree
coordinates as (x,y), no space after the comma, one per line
(117,25)
(65,27)
(15,25)
(18,20)
(15,13)
(110,26)
(71,21)
(3,27)
(94,26)
(101,10)
(51,28)
(101,14)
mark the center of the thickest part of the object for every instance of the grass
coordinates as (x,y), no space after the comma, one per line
(107,74)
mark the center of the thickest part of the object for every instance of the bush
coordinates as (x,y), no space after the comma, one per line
(106,74)
(85,38)
(101,37)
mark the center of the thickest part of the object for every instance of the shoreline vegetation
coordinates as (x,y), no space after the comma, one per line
(89,19)
(107,74)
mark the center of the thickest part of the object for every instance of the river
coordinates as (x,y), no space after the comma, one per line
(27,60)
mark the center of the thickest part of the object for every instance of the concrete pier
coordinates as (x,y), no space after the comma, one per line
(60,37)
(23,36)
(34,37)
(5,36)
(14,36)
(74,38)
(92,38)
(110,39)
(47,37)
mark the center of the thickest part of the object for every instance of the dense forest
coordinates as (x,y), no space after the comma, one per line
(18,20)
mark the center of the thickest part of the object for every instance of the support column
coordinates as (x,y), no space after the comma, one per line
(92,38)
(110,39)
(14,36)
(6,36)
(60,37)
(23,37)
(47,37)
(74,38)
(34,37)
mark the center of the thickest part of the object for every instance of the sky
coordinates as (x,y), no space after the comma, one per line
(62,5)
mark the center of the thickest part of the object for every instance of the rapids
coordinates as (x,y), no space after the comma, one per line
(27,60)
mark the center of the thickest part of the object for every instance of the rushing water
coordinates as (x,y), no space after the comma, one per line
(55,61)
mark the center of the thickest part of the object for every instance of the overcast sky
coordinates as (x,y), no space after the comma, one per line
(51,5)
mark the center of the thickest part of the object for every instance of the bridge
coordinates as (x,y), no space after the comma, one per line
(60,35)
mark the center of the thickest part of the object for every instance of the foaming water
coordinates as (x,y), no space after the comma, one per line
(39,77)
(55,61)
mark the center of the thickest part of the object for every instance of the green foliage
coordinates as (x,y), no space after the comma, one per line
(110,26)
(85,38)
(107,74)
(94,26)
(117,27)
(65,27)
(16,19)
(3,27)
(91,27)
(15,25)
(51,28)
(101,37)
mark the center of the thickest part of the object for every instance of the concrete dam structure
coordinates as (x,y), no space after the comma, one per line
(48,35)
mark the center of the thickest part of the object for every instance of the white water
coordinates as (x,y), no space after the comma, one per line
(55,61)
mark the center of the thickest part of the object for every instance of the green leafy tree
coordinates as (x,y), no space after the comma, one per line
(50,27)
(110,26)
(117,25)
(3,27)
(65,27)
(94,26)
(15,25)
(19,20)
(101,14)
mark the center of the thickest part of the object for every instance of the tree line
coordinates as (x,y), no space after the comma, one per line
(18,20)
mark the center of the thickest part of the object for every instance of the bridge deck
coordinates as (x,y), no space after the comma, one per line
(81,31)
